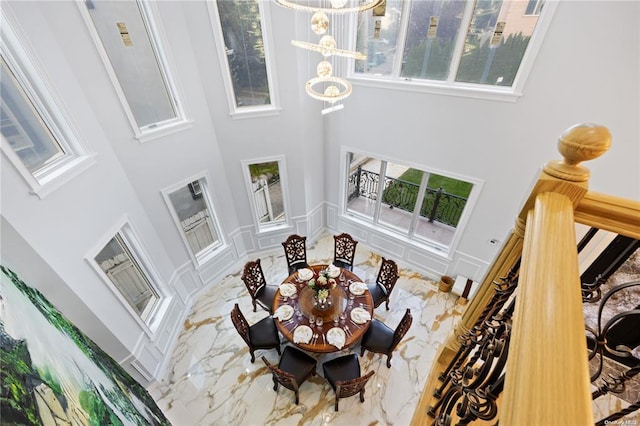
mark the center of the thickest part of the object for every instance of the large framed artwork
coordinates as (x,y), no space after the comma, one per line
(52,374)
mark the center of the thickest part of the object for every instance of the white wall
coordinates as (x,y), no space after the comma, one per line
(584,72)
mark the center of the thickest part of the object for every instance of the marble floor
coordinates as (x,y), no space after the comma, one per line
(213,382)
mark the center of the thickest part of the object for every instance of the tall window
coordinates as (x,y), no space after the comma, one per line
(267,192)
(241,25)
(35,133)
(23,128)
(130,43)
(122,262)
(413,203)
(192,210)
(447,41)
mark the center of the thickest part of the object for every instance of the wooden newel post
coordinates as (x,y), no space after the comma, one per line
(547,380)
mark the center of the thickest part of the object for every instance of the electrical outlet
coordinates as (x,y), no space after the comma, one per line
(493,242)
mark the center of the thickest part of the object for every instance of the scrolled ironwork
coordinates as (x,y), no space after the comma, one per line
(598,340)
(476,386)
(592,292)
(437,205)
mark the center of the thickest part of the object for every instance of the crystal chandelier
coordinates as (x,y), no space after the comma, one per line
(327,86)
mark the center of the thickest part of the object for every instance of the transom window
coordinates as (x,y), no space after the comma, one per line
(133,54)
(191,207)
(243,49)
(416,204)
(266,182)
(448,42)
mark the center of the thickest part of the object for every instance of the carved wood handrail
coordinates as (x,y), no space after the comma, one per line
(615,214)
(547,375)
(547,379)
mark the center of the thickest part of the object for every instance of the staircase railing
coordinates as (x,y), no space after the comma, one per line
(533,347)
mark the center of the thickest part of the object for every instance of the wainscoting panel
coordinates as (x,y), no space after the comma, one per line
(332,216)
(243,241)
(216,268)
(423,261)
(316,221)
(147,359)
(360,234)
(273,240)
(170,326)
(385,245)
(469,266)
(185,282)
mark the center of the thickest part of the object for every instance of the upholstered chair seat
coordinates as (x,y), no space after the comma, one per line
(261,335)
(265,296)
(294,368)
(379,338)
(378,294)
(343,374)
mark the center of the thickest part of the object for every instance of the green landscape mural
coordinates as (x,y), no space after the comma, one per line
(51,373)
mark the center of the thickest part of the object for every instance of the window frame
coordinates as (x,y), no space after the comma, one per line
(125,229)
(450,86)
(537,7)
(38,92)
(201,258)
(236,112)
(282,169)
(157,37)
(410,236)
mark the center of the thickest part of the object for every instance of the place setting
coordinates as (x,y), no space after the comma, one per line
(359,316)
(337,337)
(304,274)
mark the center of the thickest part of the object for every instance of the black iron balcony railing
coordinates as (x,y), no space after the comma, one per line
(437,205)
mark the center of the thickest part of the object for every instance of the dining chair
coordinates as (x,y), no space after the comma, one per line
(343,374)
(295,251)
(379,338)
(386,280)
(294,368)
(261,335)
(261,293)
(344,251)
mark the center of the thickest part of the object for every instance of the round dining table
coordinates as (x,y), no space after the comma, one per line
(337,314)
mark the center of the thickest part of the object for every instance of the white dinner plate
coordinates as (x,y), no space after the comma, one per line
(336,337)
(302,334)
(288,290)
(283,313)
(358,288)
(305,274)
(360,316)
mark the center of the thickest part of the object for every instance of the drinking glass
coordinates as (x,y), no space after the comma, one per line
(319,322)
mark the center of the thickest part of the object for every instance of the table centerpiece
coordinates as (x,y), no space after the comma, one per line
(321,285)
